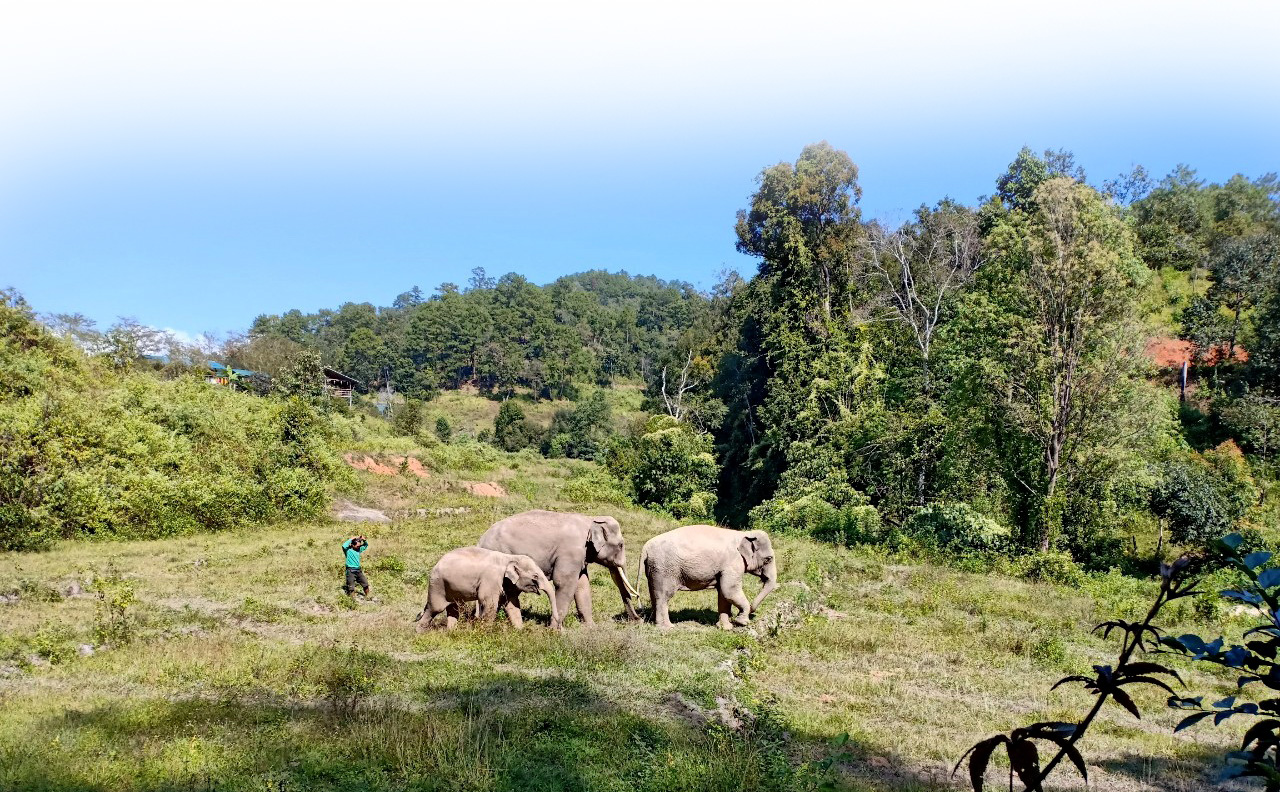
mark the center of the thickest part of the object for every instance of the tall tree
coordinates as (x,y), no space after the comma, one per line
(1058,355)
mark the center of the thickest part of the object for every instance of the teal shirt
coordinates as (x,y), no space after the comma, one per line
(353,555)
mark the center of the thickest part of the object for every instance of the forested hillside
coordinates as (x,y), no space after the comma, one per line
(497,334)
(975,376)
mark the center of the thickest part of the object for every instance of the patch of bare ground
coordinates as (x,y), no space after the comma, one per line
(387,465)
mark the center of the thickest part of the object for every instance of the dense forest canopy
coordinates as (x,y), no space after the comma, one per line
(497,334)
(977,376)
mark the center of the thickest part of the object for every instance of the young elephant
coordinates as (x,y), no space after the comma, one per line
(696,557)
(490,578)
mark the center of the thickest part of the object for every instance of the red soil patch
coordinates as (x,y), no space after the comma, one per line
(1173,352)
(391,467)
(486,489)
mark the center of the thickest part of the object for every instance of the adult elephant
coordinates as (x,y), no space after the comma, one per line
(697,557)
(562,544)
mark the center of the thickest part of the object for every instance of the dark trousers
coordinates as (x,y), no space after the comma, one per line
(355,575)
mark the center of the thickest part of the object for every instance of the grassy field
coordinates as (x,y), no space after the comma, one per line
(469,412)
(234,662)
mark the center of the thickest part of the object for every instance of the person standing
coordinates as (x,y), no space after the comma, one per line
(353,547)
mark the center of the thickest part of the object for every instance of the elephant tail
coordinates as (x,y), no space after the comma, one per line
(640,578)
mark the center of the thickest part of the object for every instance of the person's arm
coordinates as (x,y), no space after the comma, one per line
(347,544)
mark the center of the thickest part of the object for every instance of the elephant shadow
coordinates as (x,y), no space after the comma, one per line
(708,616)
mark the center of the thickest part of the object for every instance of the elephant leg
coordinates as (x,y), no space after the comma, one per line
(661,596)
(725,607)
(512,607)
(582,598)
(451,616)
(736,596)
(566,588)
(487,609)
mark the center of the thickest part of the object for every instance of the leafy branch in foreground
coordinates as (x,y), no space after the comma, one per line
(1259,754)
(1107,683)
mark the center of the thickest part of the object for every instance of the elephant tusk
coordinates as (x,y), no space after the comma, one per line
(625,582)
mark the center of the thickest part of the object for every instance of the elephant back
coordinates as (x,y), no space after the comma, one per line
(544,536)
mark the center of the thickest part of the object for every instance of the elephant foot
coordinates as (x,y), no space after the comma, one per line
(741,621)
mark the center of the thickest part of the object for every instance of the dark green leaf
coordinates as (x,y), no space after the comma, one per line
(1123,700)
(1257,730)
(1191,720)
(1025,760)
(1146,680)
(980,758)
(1150,668)
(1257,559)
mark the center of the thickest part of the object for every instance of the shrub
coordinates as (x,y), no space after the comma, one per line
(1052,568)
(1203,496)
(407,420)
(511,430)
(593,484)
(444,431)
(390,564)
(957,526)
(669,465)
(114,622)
(348,676)
(582,432)
(86,449)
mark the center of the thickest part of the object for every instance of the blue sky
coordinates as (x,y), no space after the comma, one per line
(194,165)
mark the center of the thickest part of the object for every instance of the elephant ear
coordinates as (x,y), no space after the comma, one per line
(598,535)
(749,548)
(512,573)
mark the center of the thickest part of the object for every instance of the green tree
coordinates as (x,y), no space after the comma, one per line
(303,375)
(511,430)
(789,378)
(1056,346)
(407,419)
(1242,273)
(444,430)
(582,432)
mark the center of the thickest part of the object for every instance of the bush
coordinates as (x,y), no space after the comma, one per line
(444,430)
(669,466)
(593,484)
(1203,496)
(348,676)
(582,432)
(86,449)
(1052,568)
(407,420)
(957,526)
(114,622)
(511,429)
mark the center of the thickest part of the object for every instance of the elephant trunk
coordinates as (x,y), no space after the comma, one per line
(546,588)
(770,577)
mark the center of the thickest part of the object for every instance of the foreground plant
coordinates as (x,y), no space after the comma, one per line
(1108,683)
(1259,754)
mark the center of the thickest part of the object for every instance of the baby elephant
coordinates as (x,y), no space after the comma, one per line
(696,557)
(490,578)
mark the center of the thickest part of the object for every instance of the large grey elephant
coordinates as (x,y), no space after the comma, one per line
(562,544)
(696,557)
(489,578)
